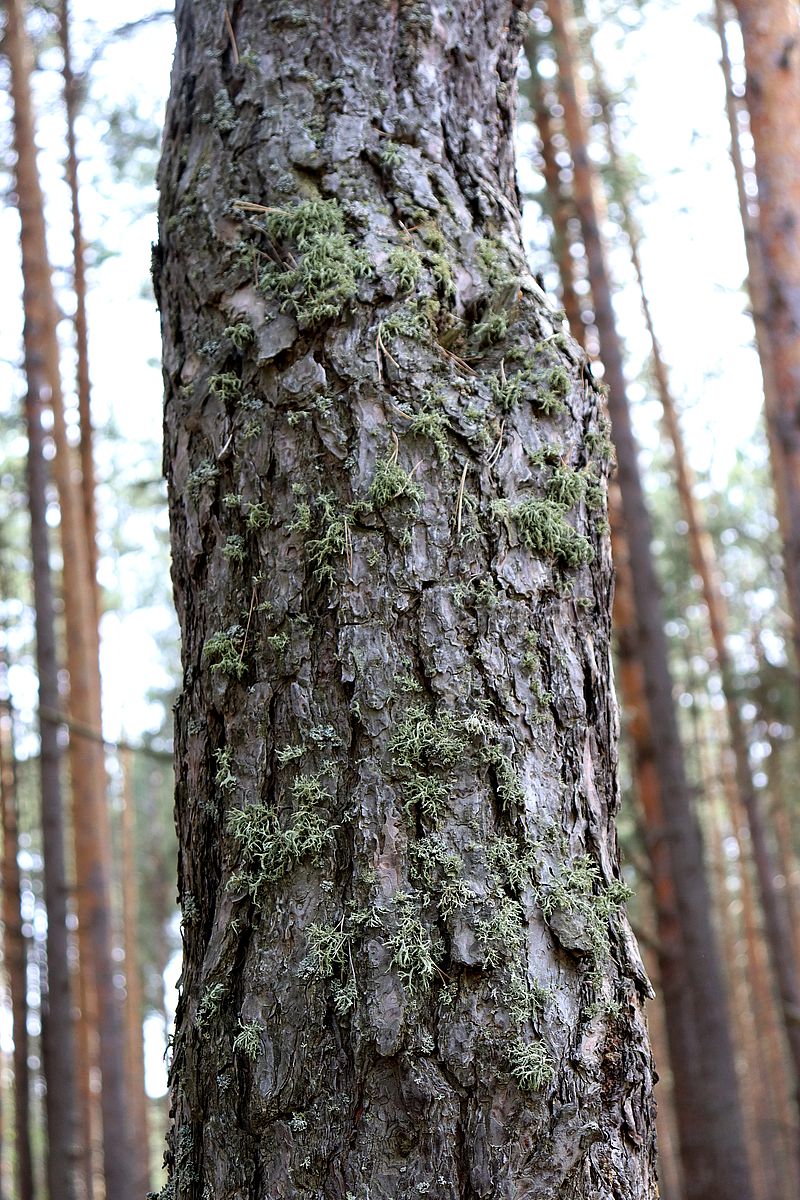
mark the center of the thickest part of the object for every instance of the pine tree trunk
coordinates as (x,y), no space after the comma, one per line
(57,1043)
(90,816)
(134,1004)
(405,966)
(771,36)
(80,321)
(704,560)
(721,1171)
(556,203)
(15,956)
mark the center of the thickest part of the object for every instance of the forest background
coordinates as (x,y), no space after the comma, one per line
(662,85)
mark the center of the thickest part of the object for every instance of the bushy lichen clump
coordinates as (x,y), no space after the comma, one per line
(531,1065)
(270,850)
(249,1039)
(405,264)
(206,473)
(431,423)
(577,889)
(543,528)
(392,482)
(326,267)
(223,652)
(413,952)
(424,740)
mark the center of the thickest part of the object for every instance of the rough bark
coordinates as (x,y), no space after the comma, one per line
(15,956)
(57,1042)
(771,36)
(722,1171)
(406,970)
(90,816)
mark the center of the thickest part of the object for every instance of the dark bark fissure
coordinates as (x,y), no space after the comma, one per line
(405,968)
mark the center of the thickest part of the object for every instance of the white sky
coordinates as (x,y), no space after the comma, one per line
(693,258)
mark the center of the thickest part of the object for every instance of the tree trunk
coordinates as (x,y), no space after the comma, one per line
(57,1043)
(556,203)
(771,36)
(15,956)
(756,282)
(90,815)
(722,1170)
(778,926)
(134,1005)
(71,104)
(405,966)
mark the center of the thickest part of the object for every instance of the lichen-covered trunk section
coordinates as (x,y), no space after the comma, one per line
(407,969)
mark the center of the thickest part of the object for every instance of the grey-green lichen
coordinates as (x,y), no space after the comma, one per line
(249,1039)
(392,482)
(223,652)
(406,265)
(325,264)
(270,848)
(543,528)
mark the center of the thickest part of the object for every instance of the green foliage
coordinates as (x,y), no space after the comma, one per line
(416,319)
(442,274)
(599,441)
(391,482)
(223,652)
(287,754)
(325,276)
(406,264)
(270,850)
(577,889)
(390,154)
(249,1039)
(411,946)
(493,258)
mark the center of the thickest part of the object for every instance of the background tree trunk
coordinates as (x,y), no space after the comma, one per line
(57,1042)
(90,815)
(722,1169)
(405,965)
(15,955)
(771,35)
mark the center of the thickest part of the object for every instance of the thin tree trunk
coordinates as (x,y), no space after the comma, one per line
(71,104)
(90,815)
(723,1167)
(557,204)
(387,695)
(57,1042)
(134,1005)
(777,923)
(771,36)
(14,953)
(756,280)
